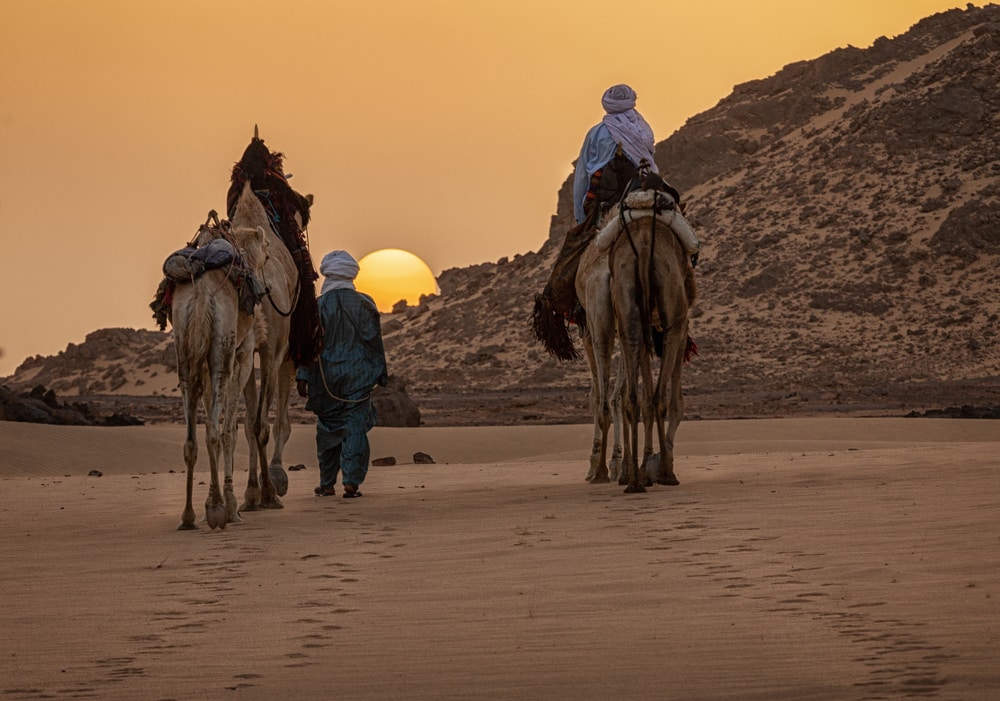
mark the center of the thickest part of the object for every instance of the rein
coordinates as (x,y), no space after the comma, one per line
(270,297)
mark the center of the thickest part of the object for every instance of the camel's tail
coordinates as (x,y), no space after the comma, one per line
(549,328)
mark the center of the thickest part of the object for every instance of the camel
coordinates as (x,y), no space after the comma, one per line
(288,319)
(598,332)
(593,290)
(649,246)
(277,373)
(214,341)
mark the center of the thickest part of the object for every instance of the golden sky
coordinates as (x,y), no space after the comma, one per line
(441,127)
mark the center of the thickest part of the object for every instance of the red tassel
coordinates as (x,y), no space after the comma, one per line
(690,350)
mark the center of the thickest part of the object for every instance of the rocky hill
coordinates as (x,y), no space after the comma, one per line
(851,222)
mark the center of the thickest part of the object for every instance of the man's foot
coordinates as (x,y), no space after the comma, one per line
(324,491)
(351,491)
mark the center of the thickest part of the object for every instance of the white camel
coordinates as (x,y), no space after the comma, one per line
(598,332)
(649,245)
(214,342)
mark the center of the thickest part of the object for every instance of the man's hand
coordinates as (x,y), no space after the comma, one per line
(302,387)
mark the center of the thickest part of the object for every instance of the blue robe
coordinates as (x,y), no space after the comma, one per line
(350,364)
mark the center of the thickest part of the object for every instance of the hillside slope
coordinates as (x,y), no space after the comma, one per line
(851,222)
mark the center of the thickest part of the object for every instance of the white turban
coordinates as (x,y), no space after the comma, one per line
(627,126)
(618,98)
(339,270)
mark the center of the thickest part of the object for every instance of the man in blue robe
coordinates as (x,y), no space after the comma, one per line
(338,385)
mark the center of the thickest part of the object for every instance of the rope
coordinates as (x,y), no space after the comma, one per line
(326,388)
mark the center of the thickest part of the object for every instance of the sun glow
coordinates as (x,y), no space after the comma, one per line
(392,275)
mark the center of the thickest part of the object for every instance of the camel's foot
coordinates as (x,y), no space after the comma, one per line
(635,489)
(622,479)
(271,502)
(651,466)
(234,518)
(187,520)
(615,468)
(279,478)
(601,478)
(669,480)
(251,499)
(215,516)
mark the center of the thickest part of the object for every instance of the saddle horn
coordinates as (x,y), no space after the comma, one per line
(256,137)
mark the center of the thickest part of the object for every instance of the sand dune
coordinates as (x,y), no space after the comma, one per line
(799,559)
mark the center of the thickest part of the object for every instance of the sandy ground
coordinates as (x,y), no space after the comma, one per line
(799,559)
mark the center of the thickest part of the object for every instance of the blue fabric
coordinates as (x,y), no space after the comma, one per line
(339,451)
(597,150)
(340,382)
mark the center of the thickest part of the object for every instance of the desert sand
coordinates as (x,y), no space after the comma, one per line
(798,559)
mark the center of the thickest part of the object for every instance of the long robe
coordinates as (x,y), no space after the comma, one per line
(340,381)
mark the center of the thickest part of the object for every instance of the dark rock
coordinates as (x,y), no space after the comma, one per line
(394,406)
(422,459)
(384,462)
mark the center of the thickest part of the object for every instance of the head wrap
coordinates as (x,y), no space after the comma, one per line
(339,270)
(618,98)
(627,126)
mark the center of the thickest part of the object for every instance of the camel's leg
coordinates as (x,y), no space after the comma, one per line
(630,335)
(649,416)
(268,494)
(282,428)
(215,508)
(251,496)
(634,485)
(242,367)
(596,443)
(674,408)
(190,454)
(598,472)
(617,454)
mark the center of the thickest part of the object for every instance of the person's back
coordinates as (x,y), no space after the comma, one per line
(612,152)
(352,358)
(338,385)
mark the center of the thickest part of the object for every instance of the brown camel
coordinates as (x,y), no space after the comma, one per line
(277,372)
(288,321)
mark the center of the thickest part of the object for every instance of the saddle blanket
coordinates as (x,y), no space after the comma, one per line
(640,205)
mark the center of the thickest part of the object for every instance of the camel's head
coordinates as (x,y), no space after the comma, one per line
(253,246)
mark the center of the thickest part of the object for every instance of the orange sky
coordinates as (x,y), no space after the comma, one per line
(442,127)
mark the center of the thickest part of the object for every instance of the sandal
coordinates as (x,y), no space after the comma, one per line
(351,492)
(323,492)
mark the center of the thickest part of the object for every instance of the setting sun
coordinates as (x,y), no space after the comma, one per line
(391,275)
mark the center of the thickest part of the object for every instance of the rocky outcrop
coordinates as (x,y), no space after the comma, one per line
(393,405)
(851,237)
(42,406)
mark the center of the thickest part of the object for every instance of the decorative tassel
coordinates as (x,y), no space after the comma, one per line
(690,350)
(549,328)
